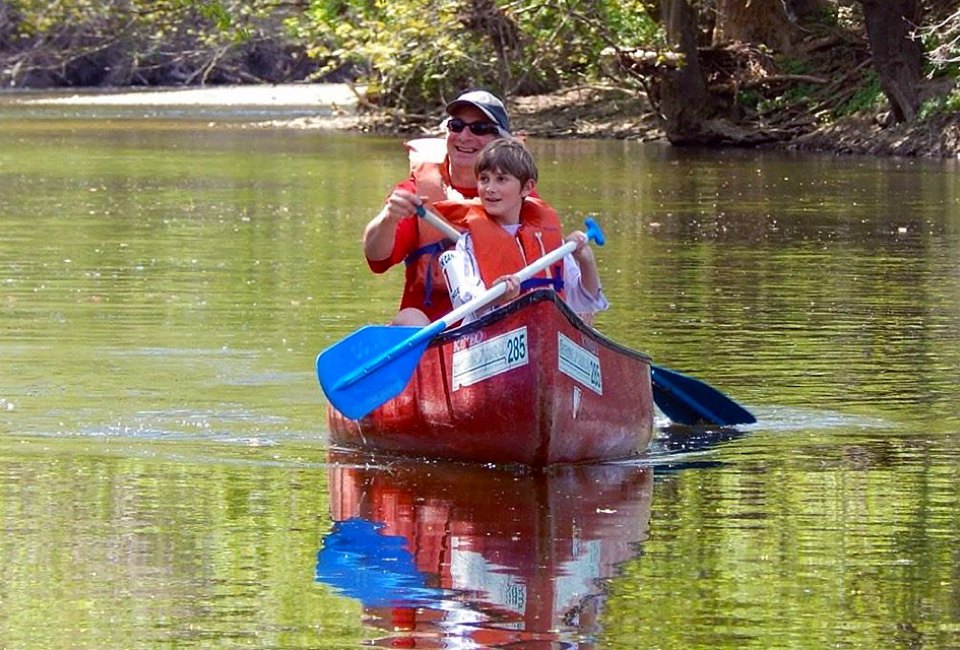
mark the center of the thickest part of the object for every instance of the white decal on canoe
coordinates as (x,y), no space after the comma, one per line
(580,364)
(493,357)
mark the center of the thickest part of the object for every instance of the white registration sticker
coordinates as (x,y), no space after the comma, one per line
(579,363)
(490,358)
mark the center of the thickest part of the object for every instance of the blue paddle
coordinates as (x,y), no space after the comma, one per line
(689,401)
(375,363)
(682,398)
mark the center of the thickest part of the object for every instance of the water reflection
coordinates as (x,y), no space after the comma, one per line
(450,555)
(677,438)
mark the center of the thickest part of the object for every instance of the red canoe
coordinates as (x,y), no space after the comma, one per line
(530,383)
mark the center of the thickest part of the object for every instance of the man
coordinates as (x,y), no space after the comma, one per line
(396,234)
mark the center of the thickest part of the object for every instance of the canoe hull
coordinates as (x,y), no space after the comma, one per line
(529,383)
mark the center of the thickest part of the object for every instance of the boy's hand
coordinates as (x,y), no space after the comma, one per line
(513,287)
(582,253)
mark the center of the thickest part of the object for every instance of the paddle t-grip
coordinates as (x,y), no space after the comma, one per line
(594,231)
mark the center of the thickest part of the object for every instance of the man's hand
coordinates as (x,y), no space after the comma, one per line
(400,204)
(380,233)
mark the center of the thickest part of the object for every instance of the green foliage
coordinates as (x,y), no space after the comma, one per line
(405,50)
(750,98)
(567,37)
(941,41)
(417,53)
(793,96)
(869,96)
(949,103)
(836,14)
(789,65)
(216,13)
(411,54)
(126,42)
(846,14)
(952,101)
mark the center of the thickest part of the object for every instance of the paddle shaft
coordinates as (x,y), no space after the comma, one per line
(457,314)
(438,222)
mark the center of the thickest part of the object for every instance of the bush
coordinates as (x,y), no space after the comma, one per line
(419,53)
(142,42)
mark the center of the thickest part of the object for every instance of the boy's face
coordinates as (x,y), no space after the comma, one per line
(502,194)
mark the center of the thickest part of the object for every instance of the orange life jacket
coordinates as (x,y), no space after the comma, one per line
(428,166)
(498,253)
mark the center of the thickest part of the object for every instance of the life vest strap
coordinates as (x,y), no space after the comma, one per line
(534,283)
(433,250)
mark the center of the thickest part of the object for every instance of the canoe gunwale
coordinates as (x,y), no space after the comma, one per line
(523,302)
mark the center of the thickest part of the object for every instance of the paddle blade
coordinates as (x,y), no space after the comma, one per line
(689,401)
(369,367)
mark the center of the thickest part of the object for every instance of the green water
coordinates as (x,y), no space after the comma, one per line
(166,283)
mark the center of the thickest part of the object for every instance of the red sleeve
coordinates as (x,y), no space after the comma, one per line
(409,185)
(406,237)
(404,244)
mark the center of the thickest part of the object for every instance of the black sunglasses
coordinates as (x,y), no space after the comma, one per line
(477,128)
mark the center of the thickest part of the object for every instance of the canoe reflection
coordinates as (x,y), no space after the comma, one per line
(444,552)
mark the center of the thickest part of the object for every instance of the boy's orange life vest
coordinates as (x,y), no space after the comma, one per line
(499,253)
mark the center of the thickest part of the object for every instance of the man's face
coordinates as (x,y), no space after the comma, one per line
(463,147)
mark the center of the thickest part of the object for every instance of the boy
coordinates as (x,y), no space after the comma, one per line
(510,229)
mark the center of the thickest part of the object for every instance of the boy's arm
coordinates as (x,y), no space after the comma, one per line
(589,275)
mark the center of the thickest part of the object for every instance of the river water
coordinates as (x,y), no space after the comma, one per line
(168,275)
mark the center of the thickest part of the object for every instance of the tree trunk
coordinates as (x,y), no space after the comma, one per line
(755,21)
(684,102)
(897,54)
(800,9)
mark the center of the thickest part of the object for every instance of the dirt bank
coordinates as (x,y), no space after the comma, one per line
(604,112)
(938,137)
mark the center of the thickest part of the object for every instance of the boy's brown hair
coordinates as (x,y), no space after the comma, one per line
(509,156)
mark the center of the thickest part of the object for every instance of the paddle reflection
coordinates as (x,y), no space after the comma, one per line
(680,447)
(450,555)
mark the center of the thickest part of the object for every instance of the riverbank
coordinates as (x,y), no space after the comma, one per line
(607,112)
(582,112)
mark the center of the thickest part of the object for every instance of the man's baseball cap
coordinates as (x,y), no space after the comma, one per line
(489,104)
